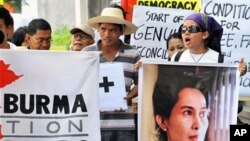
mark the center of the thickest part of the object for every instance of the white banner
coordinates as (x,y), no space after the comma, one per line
(234,17)
(112,87)
(46,95)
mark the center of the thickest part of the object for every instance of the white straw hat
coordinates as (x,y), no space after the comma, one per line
(114,16)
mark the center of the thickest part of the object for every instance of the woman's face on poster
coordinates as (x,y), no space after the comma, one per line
(189,117)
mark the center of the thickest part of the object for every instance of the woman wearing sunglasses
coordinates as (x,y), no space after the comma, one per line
(201,35)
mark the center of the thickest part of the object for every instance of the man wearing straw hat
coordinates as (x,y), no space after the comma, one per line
(111,25)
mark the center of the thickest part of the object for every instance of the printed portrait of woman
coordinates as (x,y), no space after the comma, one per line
(180,109)
(185,103)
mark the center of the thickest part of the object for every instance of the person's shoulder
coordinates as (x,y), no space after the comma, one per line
(12,46)
(173,57)
(90,48)
(128,46)
(178,54)
(131,50)
(213,54)
(211,51)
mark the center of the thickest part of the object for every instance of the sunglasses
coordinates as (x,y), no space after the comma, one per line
(191,29)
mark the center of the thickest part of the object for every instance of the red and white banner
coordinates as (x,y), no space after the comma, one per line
(50,96)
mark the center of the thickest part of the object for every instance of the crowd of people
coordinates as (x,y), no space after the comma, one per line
(198,41)
(37,35)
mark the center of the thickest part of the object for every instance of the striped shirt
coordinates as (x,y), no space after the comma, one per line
(128,56)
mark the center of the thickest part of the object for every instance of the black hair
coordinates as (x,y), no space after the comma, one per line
(175,35)
(1,37)
(213,42)
(6,16)
(215,33)
(38,24)
(19,35)
(169,83)
(120,26)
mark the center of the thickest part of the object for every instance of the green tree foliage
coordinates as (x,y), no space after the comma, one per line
(13,5)
(61,38)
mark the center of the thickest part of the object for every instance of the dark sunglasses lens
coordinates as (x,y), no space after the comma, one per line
(192,29)
(184,29)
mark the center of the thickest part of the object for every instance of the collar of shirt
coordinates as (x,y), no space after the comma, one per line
(121,50)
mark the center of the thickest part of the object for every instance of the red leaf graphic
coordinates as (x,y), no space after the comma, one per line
(3,66)
(6,76)
(1,135)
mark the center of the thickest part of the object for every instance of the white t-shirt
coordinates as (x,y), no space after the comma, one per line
(210,56)
(12,46)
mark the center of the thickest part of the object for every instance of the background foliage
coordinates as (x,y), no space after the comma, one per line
(61,38)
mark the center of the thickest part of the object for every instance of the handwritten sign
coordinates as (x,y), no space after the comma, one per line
(234,17)
(155,25)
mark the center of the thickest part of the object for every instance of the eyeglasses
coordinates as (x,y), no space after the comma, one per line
(81,36)
(41,40)
(191,29)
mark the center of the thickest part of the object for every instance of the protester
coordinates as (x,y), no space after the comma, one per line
(111,25)
(174,44)
(20,36)
(39,35)
(82,36)
(6,26)
(201,35)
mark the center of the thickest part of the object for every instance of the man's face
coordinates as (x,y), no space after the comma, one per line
(79,40)
(174,45)
(109,33)
(41,40)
